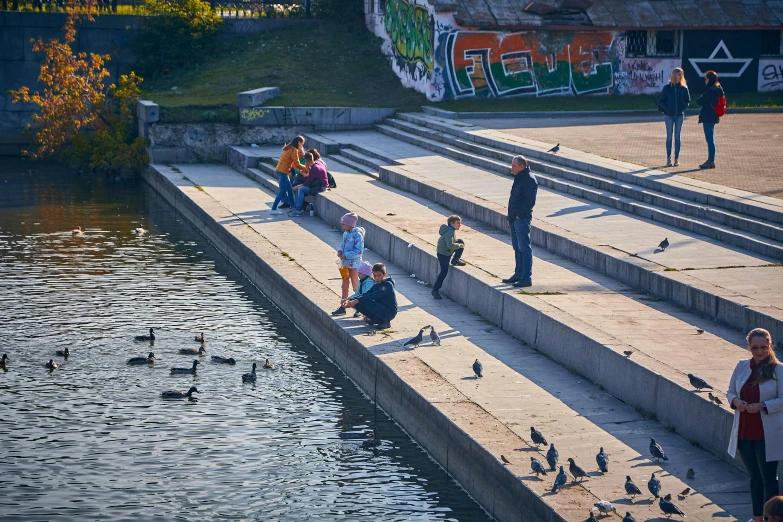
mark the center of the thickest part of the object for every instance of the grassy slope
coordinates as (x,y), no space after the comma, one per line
(328,64)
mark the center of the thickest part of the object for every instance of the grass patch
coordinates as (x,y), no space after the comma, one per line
(540,293)
(287,256)
(669,269)
(199,187)
(322,64)
(650,299)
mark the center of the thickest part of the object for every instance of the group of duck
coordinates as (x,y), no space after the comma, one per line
(150,359)
(602,460)
(201,351)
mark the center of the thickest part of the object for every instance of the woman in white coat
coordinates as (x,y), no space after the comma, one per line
(756,395)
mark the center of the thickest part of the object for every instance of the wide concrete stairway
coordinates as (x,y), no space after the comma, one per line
(554,358)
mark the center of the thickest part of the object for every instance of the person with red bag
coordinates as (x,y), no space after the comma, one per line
(713,106)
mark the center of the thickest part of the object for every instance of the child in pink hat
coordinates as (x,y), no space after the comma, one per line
(350,255)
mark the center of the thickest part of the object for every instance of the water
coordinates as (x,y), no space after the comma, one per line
(94,440)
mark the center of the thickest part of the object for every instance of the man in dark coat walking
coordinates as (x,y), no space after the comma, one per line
(520,215)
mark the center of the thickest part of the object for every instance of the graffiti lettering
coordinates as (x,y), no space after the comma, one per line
(501,64)
(410,29)
(771,77)
(254,113)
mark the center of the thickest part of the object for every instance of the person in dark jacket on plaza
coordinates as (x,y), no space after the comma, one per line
(708,100)
(520,215)
(672,102)
(379,305)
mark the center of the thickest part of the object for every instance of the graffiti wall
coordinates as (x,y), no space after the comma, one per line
(770,74)
(641,75)
(408,30)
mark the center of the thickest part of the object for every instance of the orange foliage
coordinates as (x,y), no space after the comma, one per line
(76,106)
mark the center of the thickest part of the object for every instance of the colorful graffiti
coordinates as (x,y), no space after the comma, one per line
(511,64)
(410,29)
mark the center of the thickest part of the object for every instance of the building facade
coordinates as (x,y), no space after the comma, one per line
(494,48)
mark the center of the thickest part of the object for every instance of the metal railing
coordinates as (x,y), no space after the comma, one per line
(225,8)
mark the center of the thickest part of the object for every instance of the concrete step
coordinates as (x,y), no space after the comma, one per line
(751,205)
(367,157)
(743,293)
(545,322)
(355,165)
(576,187)
(651,197)
(521,388)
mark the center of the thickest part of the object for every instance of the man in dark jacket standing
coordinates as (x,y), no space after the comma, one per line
(520,214)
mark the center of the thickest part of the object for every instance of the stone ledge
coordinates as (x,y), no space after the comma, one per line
(257,97)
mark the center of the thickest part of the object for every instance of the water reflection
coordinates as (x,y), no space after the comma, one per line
(94,440)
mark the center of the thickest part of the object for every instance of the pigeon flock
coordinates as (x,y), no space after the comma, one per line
(150,360)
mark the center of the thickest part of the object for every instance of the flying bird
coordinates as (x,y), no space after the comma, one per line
(663,245)
(669,508)
(697,383)
(416,341)
(150,337)
(690,474)
(605,507)
(628,517)
(602,459)
(505,460)
(575,470)
(434,337)
(551,457)
(554,149)
(477,368)
(536,437)
(560,480)
(537,467)
(657,451)
(714,399)
(654,485)
(631,488)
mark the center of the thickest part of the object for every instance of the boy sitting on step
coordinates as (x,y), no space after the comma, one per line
(379,305)
(448,245)
(366,283)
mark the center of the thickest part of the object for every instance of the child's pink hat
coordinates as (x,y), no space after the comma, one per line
(350,219)
(365,269)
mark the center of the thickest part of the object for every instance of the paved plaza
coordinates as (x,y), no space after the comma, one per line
(749,146)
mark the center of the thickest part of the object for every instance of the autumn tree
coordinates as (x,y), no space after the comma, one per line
(81,118)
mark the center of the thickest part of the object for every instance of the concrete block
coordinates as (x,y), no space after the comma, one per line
(520,319)
(369,115)
(171,155)
(263,116)
(257,97)
(11,43)
(147,111)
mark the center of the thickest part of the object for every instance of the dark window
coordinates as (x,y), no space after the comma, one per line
(370,6)
(636,43)
(381,6)
(770,43)
(665,43)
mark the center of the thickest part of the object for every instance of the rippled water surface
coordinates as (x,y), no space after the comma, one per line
(93,440)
